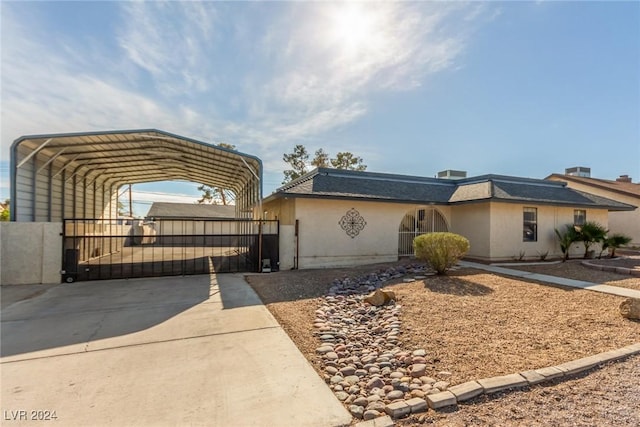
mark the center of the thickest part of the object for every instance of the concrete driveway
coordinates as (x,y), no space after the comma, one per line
(198,350)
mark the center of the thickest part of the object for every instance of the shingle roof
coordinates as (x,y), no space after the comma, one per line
(333,183)
(344,184)
(190,210)
(628,188)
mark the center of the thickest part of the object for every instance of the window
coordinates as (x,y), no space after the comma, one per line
(530,225)
(579,217)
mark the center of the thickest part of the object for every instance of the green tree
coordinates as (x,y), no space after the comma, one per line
(299,159)
(567,238)
(298,162)
(591,233)
(5,215)
(321,160)
(215,195)
(614,241)
(346,160)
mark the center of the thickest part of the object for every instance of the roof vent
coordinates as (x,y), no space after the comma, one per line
(451,174)
(624,178)
(578,171)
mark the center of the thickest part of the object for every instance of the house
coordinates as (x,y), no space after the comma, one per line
(623,190)
(187,223)
(332,217)
(166,210)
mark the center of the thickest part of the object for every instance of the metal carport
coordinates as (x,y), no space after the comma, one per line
(77,175)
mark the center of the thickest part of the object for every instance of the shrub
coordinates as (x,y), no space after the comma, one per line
(543,255)
(567,238)
(440,251)
(590,233)
(615,241)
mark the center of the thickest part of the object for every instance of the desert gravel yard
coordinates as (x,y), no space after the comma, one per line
(609,396)
(573,269)
(475,324)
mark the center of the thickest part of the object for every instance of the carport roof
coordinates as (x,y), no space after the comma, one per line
(147,155)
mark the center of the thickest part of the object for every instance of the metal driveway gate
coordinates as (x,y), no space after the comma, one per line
(95,249)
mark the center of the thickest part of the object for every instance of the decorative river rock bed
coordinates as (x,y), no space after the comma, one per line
(361,352)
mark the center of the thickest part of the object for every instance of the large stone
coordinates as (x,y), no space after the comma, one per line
(361,401)
(376,298)
(331,370)
(356,411)
(376,406)
(324,349)
(441,385)
(348,370)
(341,395)
(336,379)
(380,297)
(352,379)
(630,308)
(418,370)
(417,393)
(389,295)
(375,382)
(370,414)
(395,394)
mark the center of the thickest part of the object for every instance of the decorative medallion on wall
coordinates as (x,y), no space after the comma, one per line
(352,223)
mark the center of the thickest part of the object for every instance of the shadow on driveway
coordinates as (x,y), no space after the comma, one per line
(78,313)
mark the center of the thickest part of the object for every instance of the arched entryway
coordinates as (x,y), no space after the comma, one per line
(416,222)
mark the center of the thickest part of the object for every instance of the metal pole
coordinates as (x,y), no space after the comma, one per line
(130,202)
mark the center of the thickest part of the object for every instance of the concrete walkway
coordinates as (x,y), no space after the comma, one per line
(198,350)
(607,289)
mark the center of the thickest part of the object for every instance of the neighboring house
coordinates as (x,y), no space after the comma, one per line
(165,210)
(186,224)
(622,190)
(332,217)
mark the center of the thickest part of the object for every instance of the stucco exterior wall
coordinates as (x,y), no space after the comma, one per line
(282,210)
(473,221)
(494,230)
(287,246)
(625,222)
(31,252)
(323,242)
(507,224)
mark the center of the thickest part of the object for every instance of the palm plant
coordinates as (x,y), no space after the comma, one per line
(567,238)
(615,241)
(590,233)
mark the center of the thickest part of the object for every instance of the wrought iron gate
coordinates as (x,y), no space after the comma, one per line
(415,223)
(96,249)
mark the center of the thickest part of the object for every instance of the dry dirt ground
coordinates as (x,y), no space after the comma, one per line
(475,325)
(573,269)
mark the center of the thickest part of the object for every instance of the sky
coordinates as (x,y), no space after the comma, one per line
(512,88)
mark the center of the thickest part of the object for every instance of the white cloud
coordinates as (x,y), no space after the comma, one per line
(170,40)
(152,196)
(287,73)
